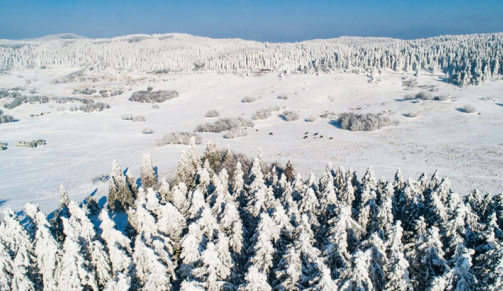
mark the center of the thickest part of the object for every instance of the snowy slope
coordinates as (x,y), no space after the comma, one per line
(466,148)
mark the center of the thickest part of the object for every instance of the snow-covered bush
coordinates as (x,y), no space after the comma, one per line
(249,99)
(61,108)
(101,178)
(262,114)
(411,114)
(283,96)
(74,108)
(155,106)
(289,115)
(153,96)
(3,146)
(5,118)
(24,99)
(31,144)
(468,109)
(179,138)
(212,113)
(139,119)
(127,117)
(236,132)
(411,83)
(223,124)
(442,98)
(147,130)
(363,122)
(86,91)
(424,96)
(310,119)
(88,108)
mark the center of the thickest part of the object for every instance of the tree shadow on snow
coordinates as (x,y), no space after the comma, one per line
(499,104)
(335,123)
(2,202)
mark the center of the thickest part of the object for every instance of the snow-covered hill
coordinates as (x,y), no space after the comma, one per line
(465,58)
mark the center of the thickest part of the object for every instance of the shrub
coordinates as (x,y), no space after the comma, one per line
(88,108)
(468,109)
(61,108)
(424,96)
(179,138)
(236,132)
(147,130)
(101,178)
(409,97)
(249,99)
(155,106)
(283,97)
(290,115)
(5,118)
(409,83)
(363,122)
(127,117)
(3,146)
(24,99)
(223,124)
(310,119)
(31,144)
(139,119)
(74,108)
(411,114)
(85,91)
(153,96)
(264,113)
(442,98)
(212,113)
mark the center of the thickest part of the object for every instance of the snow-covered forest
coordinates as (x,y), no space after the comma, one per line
(227,223)
(465,59)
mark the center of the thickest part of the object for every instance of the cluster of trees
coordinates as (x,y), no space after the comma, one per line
(221,225)
(467,59)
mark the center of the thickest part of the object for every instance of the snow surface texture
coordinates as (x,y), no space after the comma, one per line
(219,227)
(466,148)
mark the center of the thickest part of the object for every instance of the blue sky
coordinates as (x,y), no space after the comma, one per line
(262,20)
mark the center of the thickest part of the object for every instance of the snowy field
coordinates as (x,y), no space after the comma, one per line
(467,148)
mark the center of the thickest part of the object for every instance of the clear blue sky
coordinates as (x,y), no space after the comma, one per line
(264,20)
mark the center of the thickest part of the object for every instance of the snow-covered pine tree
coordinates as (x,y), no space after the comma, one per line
(120,196)
(289,271)
(212,272)
(397,275)
(148,173)
(45,247)
(357,276)
(255,281)
(150,273)
(73,271)
(6,268)
(17,240)
(118,245)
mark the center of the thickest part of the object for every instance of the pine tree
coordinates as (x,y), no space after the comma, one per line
(191,250)
(45,247)
(120,283)
(73,272)
(289,271)
(118,245)
(16,239)
(148,174)
(255,281)
(212,271)
(461,277)
(397,275)
(6,268)
(150,272)
(120,196)
(357,277)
